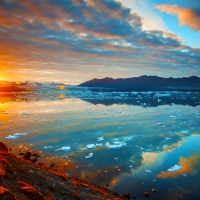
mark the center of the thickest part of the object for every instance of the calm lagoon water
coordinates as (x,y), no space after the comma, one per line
(154,137)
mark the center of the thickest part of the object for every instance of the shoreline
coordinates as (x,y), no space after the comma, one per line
(22,179)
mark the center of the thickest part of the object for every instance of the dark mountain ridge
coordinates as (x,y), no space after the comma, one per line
(145,83)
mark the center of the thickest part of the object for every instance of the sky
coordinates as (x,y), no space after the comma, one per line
(72,41)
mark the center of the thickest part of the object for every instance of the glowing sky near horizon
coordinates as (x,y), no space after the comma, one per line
(72,41)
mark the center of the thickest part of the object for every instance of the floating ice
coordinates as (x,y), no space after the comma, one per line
(16,135)
(20,134)
(89,155)
(47,147)
(90,146)
(148,150)
(159,123)
(11,137)
(172,116)
(66,148)
(174,168)
(100,138)
(185,175)
(115,145)
(167,138)
(146,170)
(98,144)
(130,166)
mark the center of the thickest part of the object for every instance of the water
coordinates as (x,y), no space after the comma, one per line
(158,133)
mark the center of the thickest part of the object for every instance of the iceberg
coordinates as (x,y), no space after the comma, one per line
(98,144)
(116,145)
(90,146)
(174,168)
(100,138)
(89,155)
(16,135)
(46,147)
(11,137)
(20,134)
(146,170)
(65,148)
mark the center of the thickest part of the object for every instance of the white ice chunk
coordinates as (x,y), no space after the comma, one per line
(116,145)
(130,166)
(171,116)
(159,123)
(174,168)
(146,170)
(98,144)
(100,138)
(90,146)
(89,155)
(185,175)
(11,137)
(47,147)
(65,148)
(167,138)
(20,134)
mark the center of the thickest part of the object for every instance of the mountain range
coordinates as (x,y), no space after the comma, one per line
(145,83)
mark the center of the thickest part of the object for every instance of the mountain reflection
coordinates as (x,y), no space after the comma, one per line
(159,130)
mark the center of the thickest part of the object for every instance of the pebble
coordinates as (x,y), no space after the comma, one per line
(3,147)
(146,194)
(27,155)
(33,159)
(52,165)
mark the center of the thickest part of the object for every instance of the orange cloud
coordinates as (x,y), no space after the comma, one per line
(172,147)
(101,7)
(88,14)
(185,16)
(188,167)
(77,2)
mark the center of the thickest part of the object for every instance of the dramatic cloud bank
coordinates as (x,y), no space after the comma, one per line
(185,16)
(82,39)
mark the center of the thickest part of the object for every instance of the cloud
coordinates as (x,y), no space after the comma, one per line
(93,37)
(186,16)
(150,21)
(189,166)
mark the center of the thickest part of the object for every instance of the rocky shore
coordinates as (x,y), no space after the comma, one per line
(22,179)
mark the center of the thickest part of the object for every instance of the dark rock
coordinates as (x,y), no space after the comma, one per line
(41,164)
(146,194)
(31,193)
(3,147)
(33,159)
(27,155)
(35,154)
(52,165)
(126,195)
(106,184)
(21,154)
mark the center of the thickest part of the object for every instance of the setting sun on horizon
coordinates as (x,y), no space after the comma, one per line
(77,40)
(100,99)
